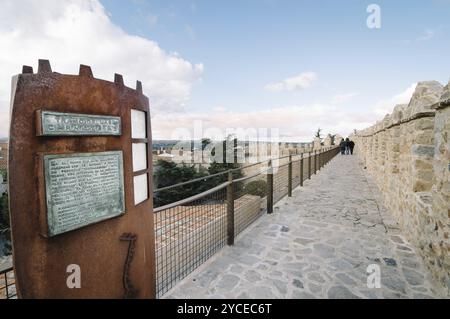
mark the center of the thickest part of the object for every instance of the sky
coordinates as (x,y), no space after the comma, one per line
(293,66)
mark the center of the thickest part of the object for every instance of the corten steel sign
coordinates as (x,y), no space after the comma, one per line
(80,186)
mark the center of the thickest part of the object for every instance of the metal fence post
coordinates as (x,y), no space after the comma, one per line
(322,159)
(319,160)
(301,169)
(315,162)
(290,177)
(270,188)
(230,210)
(309,165)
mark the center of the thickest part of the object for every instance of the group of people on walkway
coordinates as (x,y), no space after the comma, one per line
(347,146)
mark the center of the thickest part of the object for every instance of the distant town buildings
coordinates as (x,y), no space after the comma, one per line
(3,155)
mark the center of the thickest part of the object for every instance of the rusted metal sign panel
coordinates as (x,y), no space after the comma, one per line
(60,124)
(74,199)
(82,189)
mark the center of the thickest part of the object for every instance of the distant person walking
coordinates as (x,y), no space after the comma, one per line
(351,145)
(342,146)
(347,146)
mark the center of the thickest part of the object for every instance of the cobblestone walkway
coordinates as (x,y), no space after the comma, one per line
(317,244)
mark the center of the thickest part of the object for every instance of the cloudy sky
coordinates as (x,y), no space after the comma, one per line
(292,65)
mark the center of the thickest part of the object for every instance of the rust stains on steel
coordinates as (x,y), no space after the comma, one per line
(41,262)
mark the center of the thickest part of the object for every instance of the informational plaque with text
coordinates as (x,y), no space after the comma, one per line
(82,189)
(74,124)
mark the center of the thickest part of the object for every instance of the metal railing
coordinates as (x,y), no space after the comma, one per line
(189,231)
(7,281)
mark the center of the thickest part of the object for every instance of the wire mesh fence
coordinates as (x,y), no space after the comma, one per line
(203,219)
(7,282)
(250,200)
(190,231)
(280,182)
(187,234)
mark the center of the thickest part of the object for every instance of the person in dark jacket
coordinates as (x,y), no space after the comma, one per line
(342,146)
(351,145)
(347,146)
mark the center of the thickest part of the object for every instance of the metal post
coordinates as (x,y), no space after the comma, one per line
(230,210)
(6,284)
(290,177)
(309,165)
(270,189)
(315,162)
(322,159)
(318,160)
(301,169)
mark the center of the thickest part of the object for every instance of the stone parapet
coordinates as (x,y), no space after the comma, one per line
(408,153)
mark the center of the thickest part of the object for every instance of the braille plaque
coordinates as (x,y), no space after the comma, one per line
(82,189)
(72,124)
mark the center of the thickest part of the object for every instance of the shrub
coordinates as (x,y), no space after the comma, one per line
(258,188)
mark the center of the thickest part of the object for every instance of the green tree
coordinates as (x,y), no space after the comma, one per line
(333,138)
(169,173)
(318,133)
(258,188)
(205,142)
(4,212)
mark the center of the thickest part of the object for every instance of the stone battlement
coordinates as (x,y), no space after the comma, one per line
(408,153)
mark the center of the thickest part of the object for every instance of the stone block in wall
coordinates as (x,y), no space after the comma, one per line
(387,121)
(397,113)
(426,94)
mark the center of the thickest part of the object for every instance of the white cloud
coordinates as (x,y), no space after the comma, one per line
(428,34)
(73,32)
(295,123)
(342,98)
(386,106)
(297,83)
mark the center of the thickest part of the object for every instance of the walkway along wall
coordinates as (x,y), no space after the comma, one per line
(408,152)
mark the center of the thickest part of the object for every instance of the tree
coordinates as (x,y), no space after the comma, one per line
(229,147)
(333,138)
(205,142)
(4,212)
(319,130)
(169,173)
(258,188)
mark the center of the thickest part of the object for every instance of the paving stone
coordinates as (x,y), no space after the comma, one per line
(300,294)
(314,276)
(390,261)
(297,283)
(413,277)
(252,276)
(228,282)
(341,292)
(323,250)
(317,244)
(303,241)
(346,279)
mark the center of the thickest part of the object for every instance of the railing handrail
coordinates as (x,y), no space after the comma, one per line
(251,176)
(192,198)
(220,186)
(203,178)
(6,267)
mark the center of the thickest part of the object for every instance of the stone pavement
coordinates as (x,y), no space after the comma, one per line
(317,244)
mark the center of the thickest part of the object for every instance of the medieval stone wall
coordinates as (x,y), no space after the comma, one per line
(408,153)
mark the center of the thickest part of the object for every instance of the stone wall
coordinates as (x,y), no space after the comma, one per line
(408,153)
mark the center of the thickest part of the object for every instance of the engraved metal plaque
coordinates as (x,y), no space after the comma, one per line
(82,189)
(73,124)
